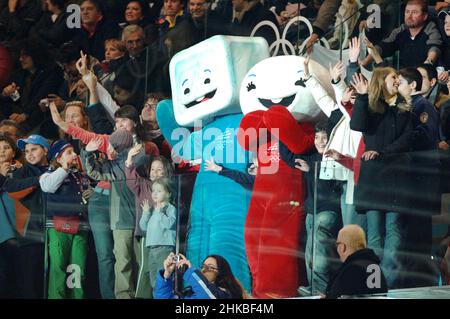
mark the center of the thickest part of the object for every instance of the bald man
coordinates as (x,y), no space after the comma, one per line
(360,272)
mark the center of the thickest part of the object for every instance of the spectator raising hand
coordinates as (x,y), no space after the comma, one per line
(306,67)
(57,119)
(132,153)
(373,51)
(145,206)
(360,83)
(354,49)
(93,145)
(348,95)
(81,64)
(337,71)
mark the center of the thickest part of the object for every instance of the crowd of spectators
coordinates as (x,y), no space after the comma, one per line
(84,165)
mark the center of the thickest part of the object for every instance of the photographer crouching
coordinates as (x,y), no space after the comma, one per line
(214,281)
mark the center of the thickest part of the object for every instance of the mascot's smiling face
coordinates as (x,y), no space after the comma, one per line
(281,81)
(206,77)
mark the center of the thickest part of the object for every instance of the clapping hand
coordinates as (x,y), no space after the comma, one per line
(145,206)
(94,145)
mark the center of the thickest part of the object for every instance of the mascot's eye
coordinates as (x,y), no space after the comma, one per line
(250,87)
(300,82)
(207,81)
(187,91)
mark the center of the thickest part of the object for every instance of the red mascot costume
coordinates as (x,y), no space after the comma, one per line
(278,109)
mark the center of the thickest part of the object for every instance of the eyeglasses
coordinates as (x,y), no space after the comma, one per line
(151,105)
(209,268)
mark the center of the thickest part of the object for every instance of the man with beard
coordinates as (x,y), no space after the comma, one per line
(418,39)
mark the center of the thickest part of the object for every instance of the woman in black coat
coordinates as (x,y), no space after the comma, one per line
(382,188)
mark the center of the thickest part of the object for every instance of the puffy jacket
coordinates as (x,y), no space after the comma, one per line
(201,288)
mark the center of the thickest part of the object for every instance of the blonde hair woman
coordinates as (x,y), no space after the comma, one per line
(383,116)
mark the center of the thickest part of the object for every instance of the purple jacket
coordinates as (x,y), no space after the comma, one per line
(142,188)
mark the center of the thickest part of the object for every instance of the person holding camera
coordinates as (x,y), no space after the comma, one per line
(215,280)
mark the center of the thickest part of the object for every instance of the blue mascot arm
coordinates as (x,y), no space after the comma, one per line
(184,143)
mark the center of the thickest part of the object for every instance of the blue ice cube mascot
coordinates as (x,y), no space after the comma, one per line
(205,81)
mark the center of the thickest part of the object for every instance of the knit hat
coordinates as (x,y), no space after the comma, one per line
(443,13)
(57,149)
(120,140)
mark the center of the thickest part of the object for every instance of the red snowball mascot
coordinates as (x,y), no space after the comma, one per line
(278,108)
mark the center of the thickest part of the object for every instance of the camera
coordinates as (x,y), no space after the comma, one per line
(176,259)
(15,96)
(44,102)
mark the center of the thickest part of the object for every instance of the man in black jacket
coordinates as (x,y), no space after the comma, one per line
(360,273)
(247,14)
(95,29)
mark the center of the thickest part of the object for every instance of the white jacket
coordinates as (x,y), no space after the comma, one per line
(342,139)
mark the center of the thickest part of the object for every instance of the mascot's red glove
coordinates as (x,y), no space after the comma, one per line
(299,138)
(249,128)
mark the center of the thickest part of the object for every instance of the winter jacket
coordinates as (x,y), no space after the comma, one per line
(412,52)
(99,121)
(7,218)
(326,16)
(24,186)
(425,158)
(63,192)
(142,189)
(55,33)
(352,277)
(122,200)
(94,44)
(201,288)
(33,88)
(251,18)
(340,138)
(160,226)
(16,26)
(383,180)
(426,124)
(328,191)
